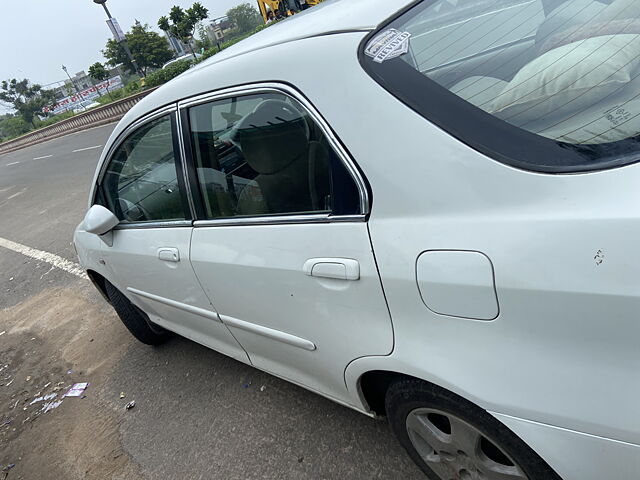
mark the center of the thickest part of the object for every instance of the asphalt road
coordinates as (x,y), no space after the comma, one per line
(198,414)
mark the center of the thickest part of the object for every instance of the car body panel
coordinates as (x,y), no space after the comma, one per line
(559,306)
(264,266)
(576,455)
(134,266)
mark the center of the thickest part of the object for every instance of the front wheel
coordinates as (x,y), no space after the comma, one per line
(136,321)
(452,439)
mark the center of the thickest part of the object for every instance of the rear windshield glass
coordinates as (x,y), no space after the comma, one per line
(546,85)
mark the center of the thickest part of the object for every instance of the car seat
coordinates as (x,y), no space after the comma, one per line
(607,117)
(480,91)
(274,140)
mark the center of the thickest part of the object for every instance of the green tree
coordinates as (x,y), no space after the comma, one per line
(13,126)
(148,48)
(245,18)
(204,42)
(28,99)
(181,24)
(98,73)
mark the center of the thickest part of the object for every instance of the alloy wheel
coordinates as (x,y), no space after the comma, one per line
(455,450)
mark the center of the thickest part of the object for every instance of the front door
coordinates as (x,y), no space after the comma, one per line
(147,255)
(285,254)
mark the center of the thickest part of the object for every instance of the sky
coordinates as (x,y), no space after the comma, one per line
(38,36)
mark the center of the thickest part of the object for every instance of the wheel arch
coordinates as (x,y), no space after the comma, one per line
(99,282)
(373,386)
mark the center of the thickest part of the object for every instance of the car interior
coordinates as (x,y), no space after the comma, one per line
(269,160)
(566,70)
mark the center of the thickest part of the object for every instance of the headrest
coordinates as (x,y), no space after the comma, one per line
(620,9)
(272,136)
(568,15)
(594,17)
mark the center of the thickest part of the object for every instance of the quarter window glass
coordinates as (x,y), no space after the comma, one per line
(564,70)
(262,154)
(141,182)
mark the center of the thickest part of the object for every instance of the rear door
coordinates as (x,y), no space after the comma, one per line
(147,255)
(284,252)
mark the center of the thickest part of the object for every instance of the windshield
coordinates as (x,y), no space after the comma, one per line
(566,71)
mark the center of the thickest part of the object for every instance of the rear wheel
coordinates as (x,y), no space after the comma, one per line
(136,321)
(452,439)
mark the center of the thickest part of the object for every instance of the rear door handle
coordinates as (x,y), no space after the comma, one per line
(338,268)
(169,254)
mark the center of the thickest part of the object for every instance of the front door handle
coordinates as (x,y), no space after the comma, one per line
(338,268)
(169,254)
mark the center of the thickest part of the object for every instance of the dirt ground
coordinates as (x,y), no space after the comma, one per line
(50,342)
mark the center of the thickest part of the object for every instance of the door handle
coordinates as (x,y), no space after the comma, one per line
(338,268)
(168,254)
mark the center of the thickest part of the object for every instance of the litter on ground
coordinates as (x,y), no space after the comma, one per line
(44,398)
(47,407)
(77,389)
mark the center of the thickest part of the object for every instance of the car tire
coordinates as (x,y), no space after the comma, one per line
(450,438)
(136,321)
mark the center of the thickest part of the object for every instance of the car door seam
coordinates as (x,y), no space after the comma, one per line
(386,301)
(210,301)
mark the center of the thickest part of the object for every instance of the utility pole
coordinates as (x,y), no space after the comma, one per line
(74,86)
(114,26)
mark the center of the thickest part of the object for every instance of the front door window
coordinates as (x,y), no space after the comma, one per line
(141,181)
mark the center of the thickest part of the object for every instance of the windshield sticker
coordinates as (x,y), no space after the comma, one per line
(389,44)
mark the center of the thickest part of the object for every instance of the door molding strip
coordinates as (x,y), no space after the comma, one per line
(269,333)
(179,305)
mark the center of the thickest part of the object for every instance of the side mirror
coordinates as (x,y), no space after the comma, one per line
(99,220)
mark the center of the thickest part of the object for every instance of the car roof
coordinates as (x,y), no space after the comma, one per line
(329,17)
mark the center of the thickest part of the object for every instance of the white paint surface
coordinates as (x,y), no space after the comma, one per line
(50,258)
(87,148)
(12,163)
(45,156)
(17,194)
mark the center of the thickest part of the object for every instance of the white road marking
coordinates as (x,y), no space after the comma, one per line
(45,156)
(12,163)
(16,194)
(88,148)
(50,258)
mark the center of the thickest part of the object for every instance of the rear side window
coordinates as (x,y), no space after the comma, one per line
(140,183)
(262,154)
(545,85)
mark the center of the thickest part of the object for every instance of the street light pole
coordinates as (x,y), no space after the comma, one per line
(74,86)
(119,38)
(104,5)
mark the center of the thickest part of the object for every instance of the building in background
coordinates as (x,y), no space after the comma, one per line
(218,29)
(81,81)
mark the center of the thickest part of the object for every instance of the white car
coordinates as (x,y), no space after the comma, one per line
(429,212)
(188,56)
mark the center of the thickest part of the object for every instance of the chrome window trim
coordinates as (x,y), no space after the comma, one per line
(161,112)
(183,161)
(160,224)
(279,220)
(272,87)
